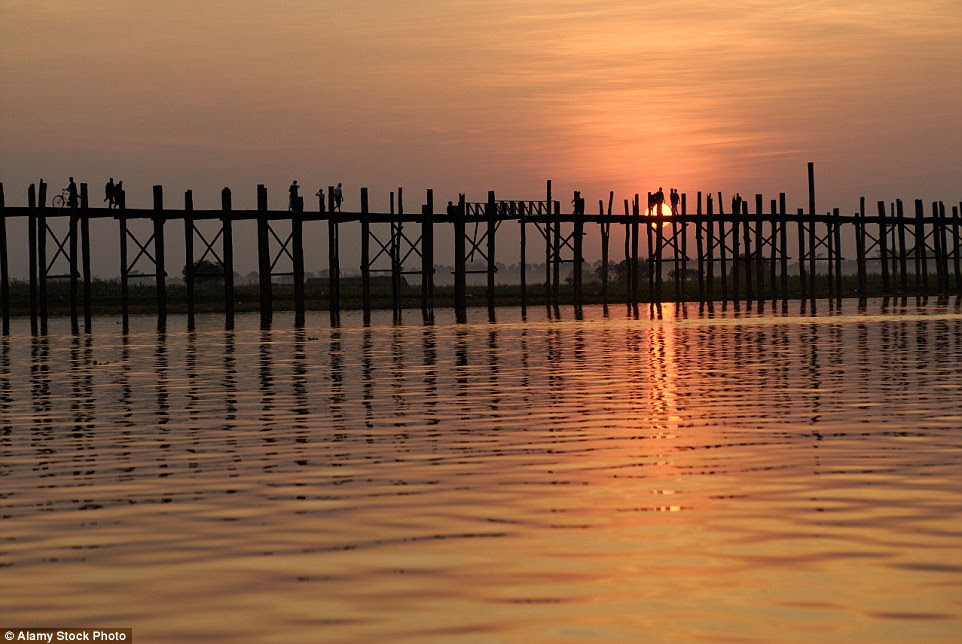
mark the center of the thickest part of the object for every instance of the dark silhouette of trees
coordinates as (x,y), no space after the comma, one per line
(205,270)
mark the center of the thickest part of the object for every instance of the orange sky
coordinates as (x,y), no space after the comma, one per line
(470,96)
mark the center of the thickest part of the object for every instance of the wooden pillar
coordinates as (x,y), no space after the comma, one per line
(524,242)
(396,228)
(656,220)
(160,274)
(921,261)
(860,248)
(783,242)
(773,248)
(548,245)
(700,248)
(85,263)
(650,262)
(189,256)
(759,252)
(633,264)
(556,252)
(297,240)
(365,259)
(710,251)
(333,263)
(749,254)
(42,256)
(957,264)
(684,248)
(228,232)
(124,290)
(883,248)
(736,259)
(605,238)
(4,267)
(802,272)
(427,257)
(812,251)
(579,232)
(460,278)
(938,213)
(32,242)
(837,250)
(900,227)
(264,258)
(72,260)
(722,249)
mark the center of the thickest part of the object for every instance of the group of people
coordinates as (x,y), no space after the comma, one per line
(296,203)
(114,194)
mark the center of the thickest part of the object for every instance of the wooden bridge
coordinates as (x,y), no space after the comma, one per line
(737,255)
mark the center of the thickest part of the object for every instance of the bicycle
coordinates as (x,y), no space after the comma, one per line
(62,200)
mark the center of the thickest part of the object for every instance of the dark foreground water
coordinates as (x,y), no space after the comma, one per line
(733,476)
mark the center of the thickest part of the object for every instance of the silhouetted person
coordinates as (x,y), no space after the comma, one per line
(338,198)
(120,197)
(737,204)
(710,203)
(655,201)
(452,209)
(579,203)
(72,200)
(674,201)
(109,193)
(294,201)
(320,198)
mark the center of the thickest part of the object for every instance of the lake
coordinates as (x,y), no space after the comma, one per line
(679,474)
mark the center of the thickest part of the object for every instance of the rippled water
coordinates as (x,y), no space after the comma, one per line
(749,475)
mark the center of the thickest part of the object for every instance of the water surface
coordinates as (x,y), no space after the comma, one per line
(679,474)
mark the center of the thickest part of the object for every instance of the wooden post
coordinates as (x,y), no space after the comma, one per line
(722,249)
(85,262)
(32,242)
(42,256)
(883,247)
(160,274)
(736,256)
(228,231)
(900,227)
(650,262)
(710,251)
(556,269)
(759,252)
(700,248)
(749,254)
(656,220)
(773,247)
(189,256)
(427,257)
(297,257)
(365,259)
(605,233)
(396,227)
(802,272)
(524,261)
(579,232)
(264,258)
(921,259)
(938,214)
(333,262)
(957,264)
(4,267)
(837,254)
(783,242)
(812,252)
(633,268)
(860,248)
(72,260)
(460,279)
(548,245)
(684,248)
(124,294)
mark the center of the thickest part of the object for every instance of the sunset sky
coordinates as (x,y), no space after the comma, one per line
(467,96)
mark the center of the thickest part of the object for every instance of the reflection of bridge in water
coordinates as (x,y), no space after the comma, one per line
(710,254)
